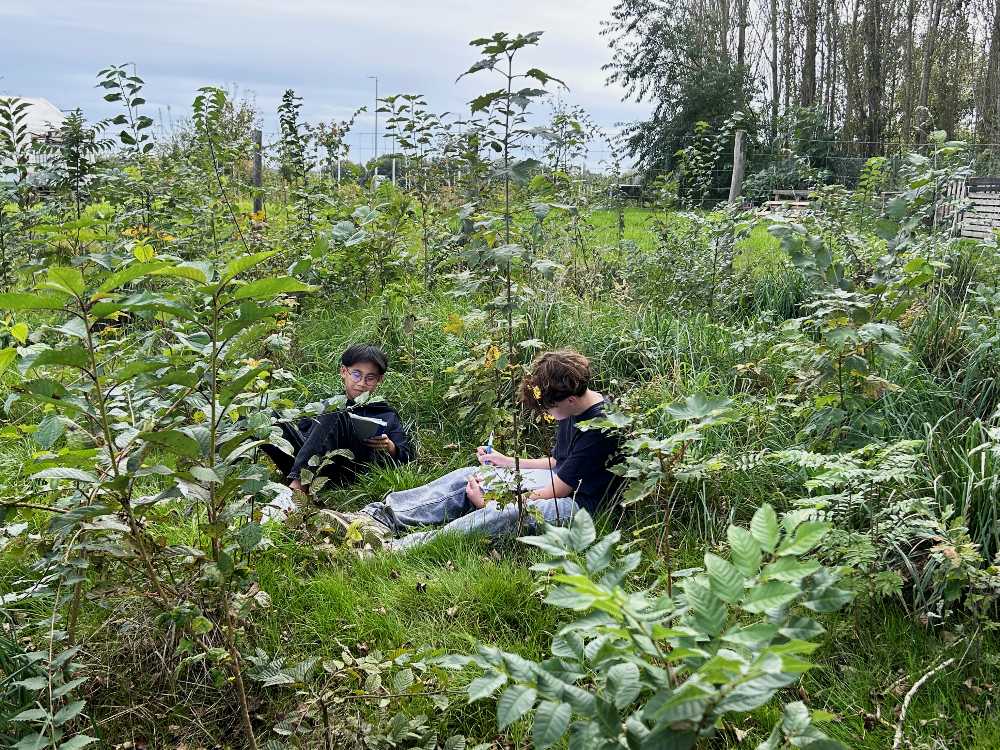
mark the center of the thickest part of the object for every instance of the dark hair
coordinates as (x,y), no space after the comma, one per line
(365,353)
(555,376)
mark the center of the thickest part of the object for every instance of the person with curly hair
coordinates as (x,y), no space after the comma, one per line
(576,475)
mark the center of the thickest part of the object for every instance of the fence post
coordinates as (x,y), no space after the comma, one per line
(338,170)
(394,171)
(736,186)
(258,169)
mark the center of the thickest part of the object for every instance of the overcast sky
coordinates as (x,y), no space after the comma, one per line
(324,49)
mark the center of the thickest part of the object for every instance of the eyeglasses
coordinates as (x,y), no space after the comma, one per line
(357,376)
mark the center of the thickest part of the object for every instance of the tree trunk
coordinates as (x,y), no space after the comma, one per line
(989,110)
(907,123)
(786,52)
(775,94)
(724,11)
(810,18)
(925,70)
(873,74)
(741,38)
(833,45)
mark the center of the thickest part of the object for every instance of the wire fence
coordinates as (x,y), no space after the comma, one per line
(801,164)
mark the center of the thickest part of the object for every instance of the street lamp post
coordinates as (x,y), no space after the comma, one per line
(376,121)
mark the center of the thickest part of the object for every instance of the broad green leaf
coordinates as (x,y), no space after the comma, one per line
(725,580)
(48,431)
(770,595)
(20,332)
(271,287)
(807,536)
(29,301)
(188,271)
(830,599)
(402,680)
(623,683)
(70,356)
(551,722)
(32,683)
(68,712)
(77,475)
(514,703)
(66,280)
(7,357)
(764,527)
(201,625)
(244,263)
(485,686)
(143,252)
(32,714)
(788,569)
(79,741)
(744,550)
(582,532)
(249,313)
(174,441)
(707,608)
(127,274)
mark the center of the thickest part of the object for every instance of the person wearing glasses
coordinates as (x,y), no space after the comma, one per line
(362,368)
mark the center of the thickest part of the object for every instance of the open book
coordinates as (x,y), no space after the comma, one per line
(366,427)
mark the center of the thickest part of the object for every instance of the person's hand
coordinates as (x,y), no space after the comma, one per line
(381,443)
(296,486)
(474,491)
(493,458)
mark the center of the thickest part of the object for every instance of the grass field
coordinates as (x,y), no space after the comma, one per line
(647,349)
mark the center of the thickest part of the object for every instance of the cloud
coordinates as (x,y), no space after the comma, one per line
(324,49)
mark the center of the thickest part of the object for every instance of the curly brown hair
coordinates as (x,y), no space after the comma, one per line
(555,376)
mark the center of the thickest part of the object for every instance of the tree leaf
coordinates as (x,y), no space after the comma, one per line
(67,280)
(514,703)
(582,533)
(48,431)
(174,441)
(771,595)
(271,287)
(244,263)
(807,536)
(127,274)
(623,683)
(725,580)
(63,472)
(485,686)
(29,301)
(764,527)
(551,722)
(744,550)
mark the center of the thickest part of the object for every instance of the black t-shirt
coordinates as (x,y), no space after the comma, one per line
(582,459)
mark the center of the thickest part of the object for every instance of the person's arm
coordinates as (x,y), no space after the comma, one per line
(555,488)
(507,462)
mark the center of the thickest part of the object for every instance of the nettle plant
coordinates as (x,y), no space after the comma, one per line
(640,668)
(137,371)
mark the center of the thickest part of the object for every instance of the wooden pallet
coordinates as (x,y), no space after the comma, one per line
(788,206)
(972,206)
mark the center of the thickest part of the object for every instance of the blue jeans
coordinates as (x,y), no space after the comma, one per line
(443,503)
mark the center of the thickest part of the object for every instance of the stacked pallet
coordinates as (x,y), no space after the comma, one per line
(973,206)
